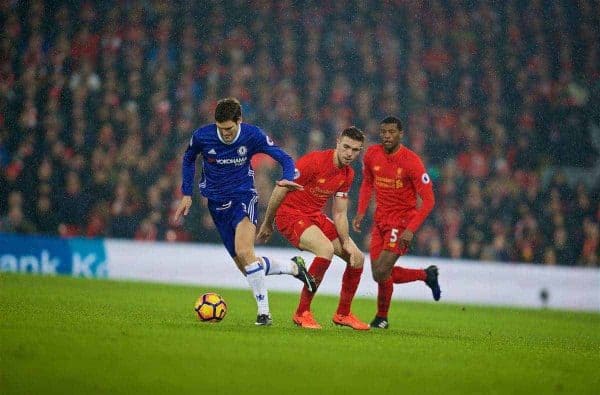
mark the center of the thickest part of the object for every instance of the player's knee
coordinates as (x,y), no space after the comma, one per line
(325,250)
(379,274)
(360,259)
(246,254)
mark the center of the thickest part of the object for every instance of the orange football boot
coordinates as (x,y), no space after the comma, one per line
(350,320)
(306,320)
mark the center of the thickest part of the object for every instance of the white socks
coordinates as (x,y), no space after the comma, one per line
(273,267)
(255,274)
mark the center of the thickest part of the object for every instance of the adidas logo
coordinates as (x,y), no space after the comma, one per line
(212,151)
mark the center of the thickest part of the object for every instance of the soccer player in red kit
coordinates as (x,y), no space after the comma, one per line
(300,218)
(398,176)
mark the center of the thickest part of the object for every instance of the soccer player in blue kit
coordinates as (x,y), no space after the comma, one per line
(227,181)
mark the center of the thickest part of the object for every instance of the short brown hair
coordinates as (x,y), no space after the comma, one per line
(228,109)
(354,133)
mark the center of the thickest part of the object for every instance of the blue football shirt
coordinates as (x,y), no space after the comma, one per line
(226,169)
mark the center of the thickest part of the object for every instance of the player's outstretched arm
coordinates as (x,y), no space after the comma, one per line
(340,219)
(290,185)
(266,228)
(184,207)
(364,195)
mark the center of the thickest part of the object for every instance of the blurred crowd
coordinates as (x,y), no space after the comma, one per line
(98,101)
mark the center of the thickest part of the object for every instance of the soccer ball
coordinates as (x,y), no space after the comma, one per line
(210,307)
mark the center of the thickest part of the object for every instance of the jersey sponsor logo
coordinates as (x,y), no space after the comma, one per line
(425,178)
(242,150)
(232,161)
(212,151)
(376,168)
(321,181)
(320,192)
(385,182)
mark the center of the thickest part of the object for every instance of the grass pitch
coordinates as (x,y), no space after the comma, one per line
(64,335)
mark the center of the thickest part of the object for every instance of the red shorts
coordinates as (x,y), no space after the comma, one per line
(386,237)
(292,226)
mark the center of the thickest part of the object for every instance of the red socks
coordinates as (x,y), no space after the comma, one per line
(349,285)
(402,275)
(317,269)
(384,296)
(385,289)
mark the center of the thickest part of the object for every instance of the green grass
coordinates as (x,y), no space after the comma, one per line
(64,335)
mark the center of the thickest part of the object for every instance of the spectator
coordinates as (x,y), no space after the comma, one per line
(497,97)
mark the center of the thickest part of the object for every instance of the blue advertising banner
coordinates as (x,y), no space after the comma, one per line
(47,255)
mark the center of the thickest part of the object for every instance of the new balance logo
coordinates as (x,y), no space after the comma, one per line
(212,151)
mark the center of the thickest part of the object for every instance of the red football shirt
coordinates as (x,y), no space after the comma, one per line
(397,179)
(321,179)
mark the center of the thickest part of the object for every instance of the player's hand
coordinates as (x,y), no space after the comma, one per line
(291,185)
(356,222)
(184,207)
(356,258)
(406,238)
(264,233)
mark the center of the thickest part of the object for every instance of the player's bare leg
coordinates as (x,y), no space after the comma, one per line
(350,280)
(245,233)
(381,268)
(314,240)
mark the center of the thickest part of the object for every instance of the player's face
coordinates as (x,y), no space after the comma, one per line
(228,130)
(390,136)
(347,150)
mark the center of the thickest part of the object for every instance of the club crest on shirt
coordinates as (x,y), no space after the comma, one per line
(242,150)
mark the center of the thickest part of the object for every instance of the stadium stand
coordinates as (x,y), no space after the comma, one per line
(98,101)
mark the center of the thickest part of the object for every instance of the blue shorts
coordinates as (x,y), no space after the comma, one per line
(228,214)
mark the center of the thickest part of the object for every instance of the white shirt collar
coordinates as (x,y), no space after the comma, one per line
(239,131)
